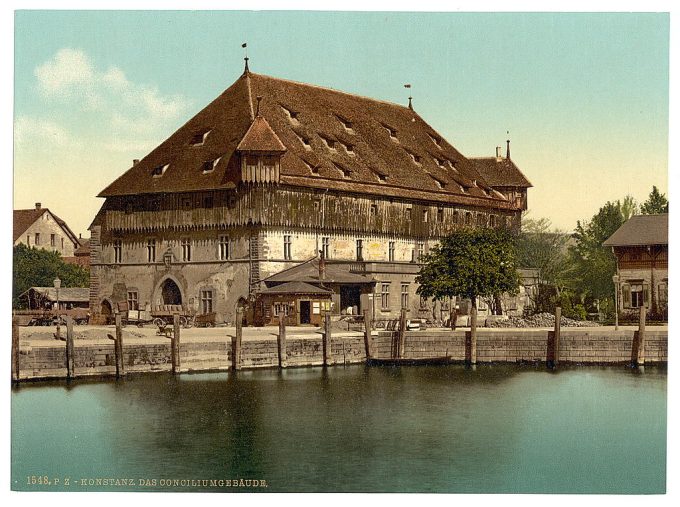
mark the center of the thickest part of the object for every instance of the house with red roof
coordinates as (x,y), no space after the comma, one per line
(274,173)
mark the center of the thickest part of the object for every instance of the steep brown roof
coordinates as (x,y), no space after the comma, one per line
(641,230)
(500,172)
(353,143)
(260,137)
(24,218)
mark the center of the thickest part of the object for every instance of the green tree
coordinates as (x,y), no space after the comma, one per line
(594,264)
(546,249)
(34,267)
(656,203)
(470,263)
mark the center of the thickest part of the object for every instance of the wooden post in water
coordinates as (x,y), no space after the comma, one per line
(174,343)
(473,334)
(401,341)
(639,359)
(281,342)
(327,338)
(367,334)
(553,350)
(15,350)
(118,346)
(70,359)
(236,341)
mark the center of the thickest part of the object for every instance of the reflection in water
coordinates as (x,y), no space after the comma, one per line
(500,428)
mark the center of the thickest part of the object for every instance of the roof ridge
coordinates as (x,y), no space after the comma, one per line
(328,88)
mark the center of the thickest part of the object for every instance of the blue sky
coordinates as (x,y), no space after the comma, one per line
(584,96)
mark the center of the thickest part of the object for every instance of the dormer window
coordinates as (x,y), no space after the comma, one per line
(346,172)
(348,148)
(438,182)
(292,115)
(414,156)
(199,138)
(391,131)
(330,143)
(346,124)
(314,169)
(304,140)
(209,165)
(436,140)
(158,171)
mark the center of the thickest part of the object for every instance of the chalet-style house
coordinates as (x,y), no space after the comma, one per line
(284,197)
(41,228)
(641,249)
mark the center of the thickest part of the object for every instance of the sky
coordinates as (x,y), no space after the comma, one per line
(584,96)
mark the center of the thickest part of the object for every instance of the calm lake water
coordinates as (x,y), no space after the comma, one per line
(496,429)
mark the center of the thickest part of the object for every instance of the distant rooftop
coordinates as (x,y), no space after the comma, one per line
(641,230)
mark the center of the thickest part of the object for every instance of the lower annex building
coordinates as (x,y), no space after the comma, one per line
(284,197)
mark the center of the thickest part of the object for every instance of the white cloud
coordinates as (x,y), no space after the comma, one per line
(106,100)
(32,132)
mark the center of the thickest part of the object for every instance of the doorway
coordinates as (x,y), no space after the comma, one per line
(305,312)
(170,293)
(350,296)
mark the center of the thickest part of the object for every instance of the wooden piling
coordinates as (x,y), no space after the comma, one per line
(327,339)
(15,350)
(174,343)
(552,355)
(118,346)
(281,342)
(236,341)
(638,358)
(471,339)
(401,340)
(70,354)
(367,334)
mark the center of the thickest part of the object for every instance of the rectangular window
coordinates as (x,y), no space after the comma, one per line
(224,248)
(408,213)
(468,218)
(281,309)
(404,295)
(391,251)
(206,301)
(440,214)
(635,295)
(53,240)
(37,238)
(287,247)
(28,240)
(374,210)
(663,295)
(385,296)
(186,249)
(425,215)
(360,249)
(133,300)
(421,251)
(117,251)
(62,243)
(326,247)
(151,250)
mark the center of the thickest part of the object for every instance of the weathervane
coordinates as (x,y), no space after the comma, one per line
(410,105)
(245,47)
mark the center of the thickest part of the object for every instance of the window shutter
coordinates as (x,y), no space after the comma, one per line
(645,295)
(625,289)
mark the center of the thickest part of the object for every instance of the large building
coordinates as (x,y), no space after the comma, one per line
(40,228)
(641,249)
(277,182)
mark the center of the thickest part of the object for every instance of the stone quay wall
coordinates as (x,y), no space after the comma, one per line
(46,359)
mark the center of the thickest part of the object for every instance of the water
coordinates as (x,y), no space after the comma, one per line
(497,429)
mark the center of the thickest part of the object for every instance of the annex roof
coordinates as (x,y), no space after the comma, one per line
(308,272)
(500,172)
(333,140)
(24,218)
(295,288)
(66,294)
(641,230)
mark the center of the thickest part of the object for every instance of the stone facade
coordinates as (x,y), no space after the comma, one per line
(47,232)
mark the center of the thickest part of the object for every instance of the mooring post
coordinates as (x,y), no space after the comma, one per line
(15,350)
(552,355)
(471,339)
(327,338)
(640,359)
(367,334)
(174,343)
(236,341)
(281,342)
(70,359)
(402,334)
(118,346)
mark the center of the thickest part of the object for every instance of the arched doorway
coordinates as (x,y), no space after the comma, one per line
(170,293)
(106,311)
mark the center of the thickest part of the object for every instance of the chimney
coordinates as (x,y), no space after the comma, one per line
(135,161)
(38,205)
(499,154)
(507,154)
(322,266)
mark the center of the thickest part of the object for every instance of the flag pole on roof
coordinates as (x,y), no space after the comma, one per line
(410,105)
(507,153)
(245,47)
